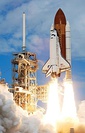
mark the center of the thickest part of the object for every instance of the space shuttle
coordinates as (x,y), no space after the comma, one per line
(56,63)
(60,48)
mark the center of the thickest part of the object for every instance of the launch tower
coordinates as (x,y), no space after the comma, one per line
(24,70)
(24,81)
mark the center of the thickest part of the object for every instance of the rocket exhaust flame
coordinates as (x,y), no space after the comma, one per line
(53,108)
(53,113)
(69,108)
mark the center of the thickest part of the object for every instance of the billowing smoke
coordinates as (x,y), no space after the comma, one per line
(14,119)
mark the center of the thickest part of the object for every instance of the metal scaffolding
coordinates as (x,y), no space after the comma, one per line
(24,67)
(24,82)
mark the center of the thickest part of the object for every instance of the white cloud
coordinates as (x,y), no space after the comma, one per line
(37,44)
(39,17)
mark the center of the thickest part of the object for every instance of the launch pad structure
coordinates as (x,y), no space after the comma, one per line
(24,70)
(24,80)
(26,91)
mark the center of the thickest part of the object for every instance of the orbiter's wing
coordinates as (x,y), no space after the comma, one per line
(46,66)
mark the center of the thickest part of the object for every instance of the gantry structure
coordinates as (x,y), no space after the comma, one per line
(24,81)
(24,67)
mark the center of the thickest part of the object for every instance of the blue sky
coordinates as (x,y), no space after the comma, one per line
(39,17)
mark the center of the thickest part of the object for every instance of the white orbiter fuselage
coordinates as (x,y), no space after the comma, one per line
(56,64)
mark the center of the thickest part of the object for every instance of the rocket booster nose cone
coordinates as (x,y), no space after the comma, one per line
(52,28)
(67,26)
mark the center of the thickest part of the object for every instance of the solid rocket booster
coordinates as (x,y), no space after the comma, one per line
(68,43)
(68,51)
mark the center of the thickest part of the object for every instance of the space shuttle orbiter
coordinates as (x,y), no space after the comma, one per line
(56,63)
(60,48)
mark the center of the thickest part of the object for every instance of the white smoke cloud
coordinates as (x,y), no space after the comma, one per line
(8,112)
(13,119)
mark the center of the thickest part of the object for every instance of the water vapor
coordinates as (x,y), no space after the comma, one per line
(13,119)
